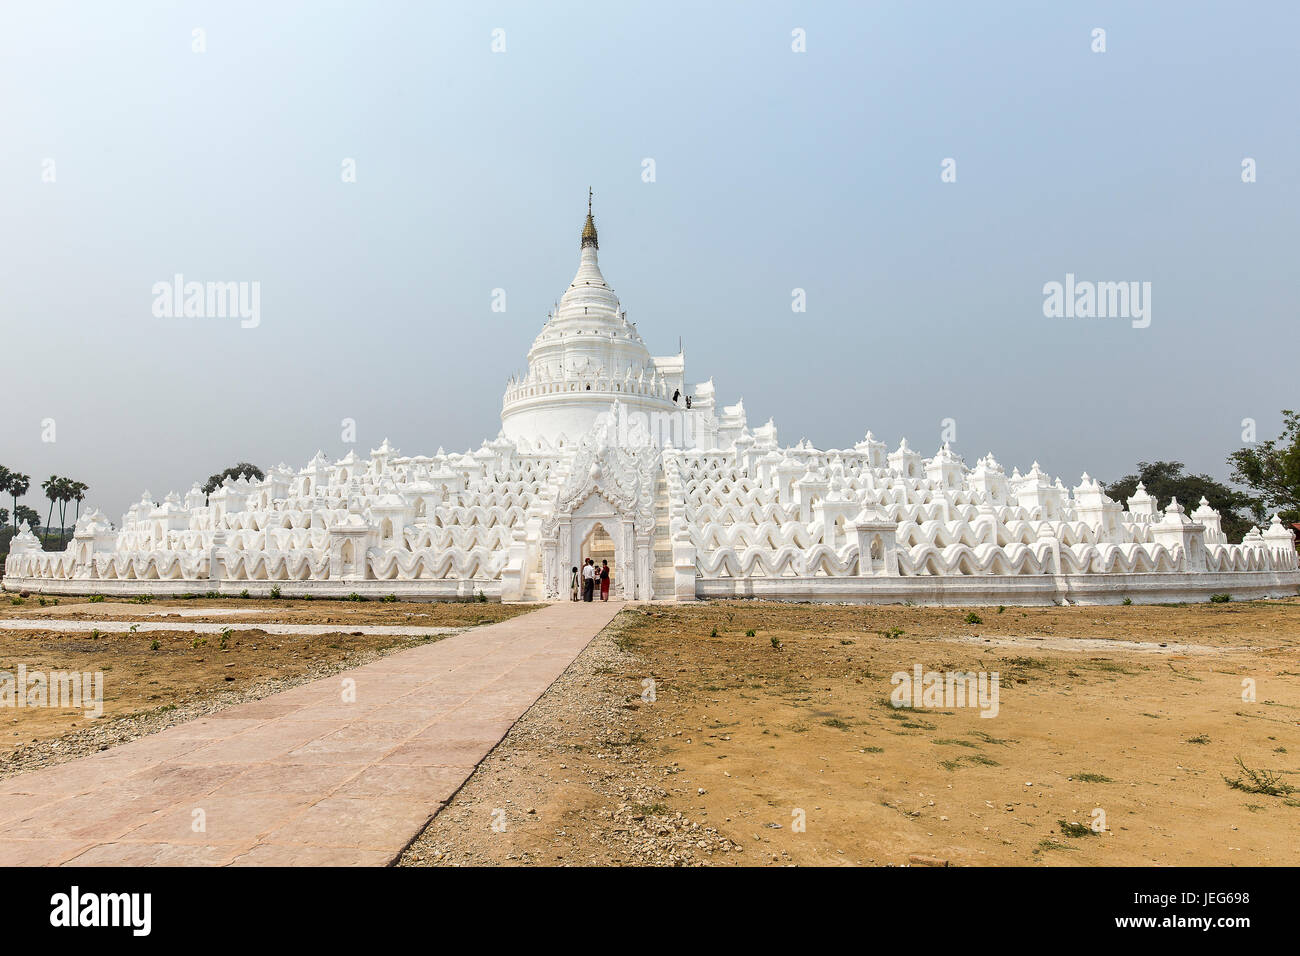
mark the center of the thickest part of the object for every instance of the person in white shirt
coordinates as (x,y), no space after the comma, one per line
(588,579)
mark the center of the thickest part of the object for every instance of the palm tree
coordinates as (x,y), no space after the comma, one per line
(51,488)
(79,489)
(17,486)
(6,479)
(66,488)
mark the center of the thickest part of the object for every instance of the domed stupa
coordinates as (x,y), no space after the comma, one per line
(588,355)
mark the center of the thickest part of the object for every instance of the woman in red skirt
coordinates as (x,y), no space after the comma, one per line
(604,580)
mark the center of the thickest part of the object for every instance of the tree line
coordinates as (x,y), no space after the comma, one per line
(61,492)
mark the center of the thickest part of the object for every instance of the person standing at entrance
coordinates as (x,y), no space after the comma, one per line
(588,579)
(604,580)
(573,584)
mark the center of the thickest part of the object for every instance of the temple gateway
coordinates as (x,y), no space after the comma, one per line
(607,451)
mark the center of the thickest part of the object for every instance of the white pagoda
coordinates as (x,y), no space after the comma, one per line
(607,451)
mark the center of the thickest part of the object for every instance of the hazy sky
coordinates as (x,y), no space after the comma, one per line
(774,170)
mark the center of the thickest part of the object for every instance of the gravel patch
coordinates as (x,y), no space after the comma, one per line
(576,782)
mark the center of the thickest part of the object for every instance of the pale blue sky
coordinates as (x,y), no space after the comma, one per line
(775,170)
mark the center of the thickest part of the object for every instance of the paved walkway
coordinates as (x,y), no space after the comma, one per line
(303,777)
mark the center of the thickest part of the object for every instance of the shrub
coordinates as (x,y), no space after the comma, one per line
(1267,782)
(751,633)
(389,599)
(154,646)
(275,593)
(244,594)
(1220,598)
(97,599)
(1075,829)
(973,618)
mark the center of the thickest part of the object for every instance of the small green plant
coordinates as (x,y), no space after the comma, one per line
(973,618)
(142,599)
(836,723)
(41,601)
(892,632)
(1093,778)
(225,638)
(751,633)
(212,594)
(199,643)
(713,633)
(1198,739)
(389,599)
(275,593)
(1267,782)
(1127,601)
(154,646)
(97,599)
(481,597)
(355,597)
(1076,829)
(776,643)
(1001,608)
(17,601)
(1220,598)
(134,628)
(94,635)
(244,594)
(1049,844)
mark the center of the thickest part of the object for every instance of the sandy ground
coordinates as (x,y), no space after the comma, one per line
(784,748)
(156,678)
(224,610)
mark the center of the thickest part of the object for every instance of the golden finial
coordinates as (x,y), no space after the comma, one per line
(589,229)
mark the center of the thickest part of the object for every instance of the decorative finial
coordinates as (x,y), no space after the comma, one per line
(589,229)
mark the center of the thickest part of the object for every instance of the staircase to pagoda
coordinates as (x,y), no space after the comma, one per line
(662,578)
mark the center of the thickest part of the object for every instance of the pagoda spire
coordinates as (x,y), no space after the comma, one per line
(589,230)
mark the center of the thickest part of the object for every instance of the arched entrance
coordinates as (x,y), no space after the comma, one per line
(598,545)
(599,539)
(604,511)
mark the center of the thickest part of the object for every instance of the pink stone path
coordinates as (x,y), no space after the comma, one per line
(301,778)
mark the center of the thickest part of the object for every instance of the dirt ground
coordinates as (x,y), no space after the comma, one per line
(285,611)
(154,679)
(784,747)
